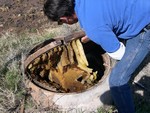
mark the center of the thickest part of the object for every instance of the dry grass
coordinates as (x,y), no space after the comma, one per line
(12,47)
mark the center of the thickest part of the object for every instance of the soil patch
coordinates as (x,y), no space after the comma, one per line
(20,15)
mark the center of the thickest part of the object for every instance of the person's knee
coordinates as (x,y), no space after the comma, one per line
(116,81)
(112,82)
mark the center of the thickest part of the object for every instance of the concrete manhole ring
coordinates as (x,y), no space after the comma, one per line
(87,100)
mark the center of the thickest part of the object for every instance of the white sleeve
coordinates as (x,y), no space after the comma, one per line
(119,53)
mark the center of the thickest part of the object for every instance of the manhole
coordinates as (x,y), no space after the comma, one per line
(65,73)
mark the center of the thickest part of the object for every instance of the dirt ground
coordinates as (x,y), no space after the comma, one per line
(21,15)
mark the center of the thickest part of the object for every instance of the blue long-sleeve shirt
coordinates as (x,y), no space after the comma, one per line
(104,21)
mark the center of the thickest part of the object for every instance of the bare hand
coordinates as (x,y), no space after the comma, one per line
(85,39)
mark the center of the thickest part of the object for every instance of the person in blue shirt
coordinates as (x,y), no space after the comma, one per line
(106,22)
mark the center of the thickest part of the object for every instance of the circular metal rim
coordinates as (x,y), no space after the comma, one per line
(30,57)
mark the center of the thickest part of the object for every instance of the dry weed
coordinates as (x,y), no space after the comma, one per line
(12,46)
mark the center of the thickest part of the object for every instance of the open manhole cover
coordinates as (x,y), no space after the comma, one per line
(65,66)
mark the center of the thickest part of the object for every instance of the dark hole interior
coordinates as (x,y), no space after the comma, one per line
(93,53)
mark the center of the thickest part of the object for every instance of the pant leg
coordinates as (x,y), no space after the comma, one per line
(136,50)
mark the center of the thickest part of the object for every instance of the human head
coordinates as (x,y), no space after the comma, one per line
(60,10)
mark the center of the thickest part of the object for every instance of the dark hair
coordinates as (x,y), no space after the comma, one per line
(54,9)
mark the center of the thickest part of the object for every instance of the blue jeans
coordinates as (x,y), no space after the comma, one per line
(136,50)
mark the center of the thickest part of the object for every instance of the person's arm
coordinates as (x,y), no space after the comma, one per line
(105,37)
(119,53)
